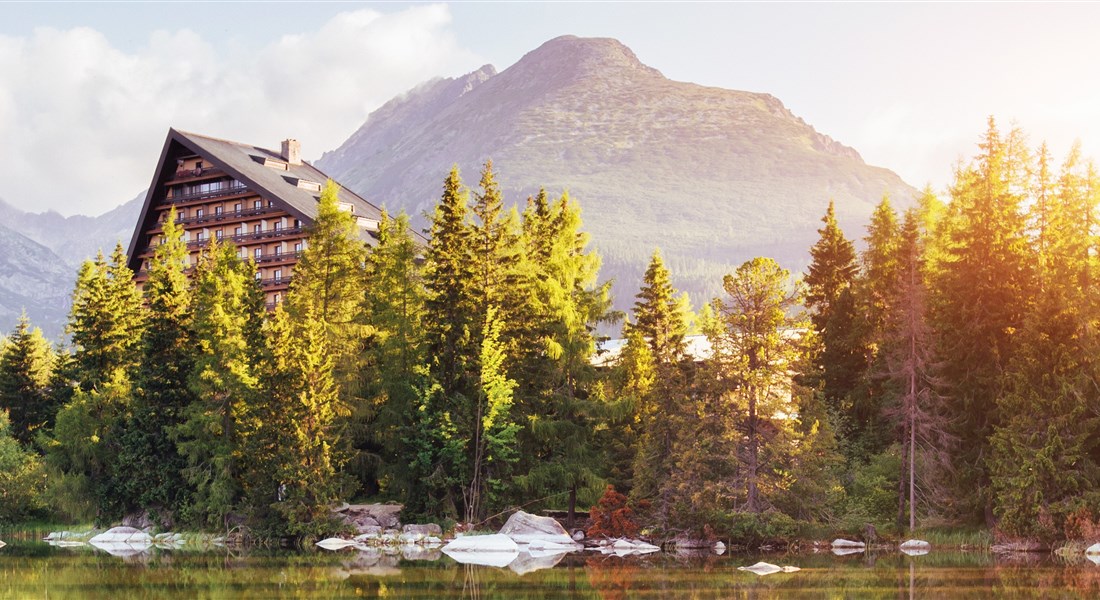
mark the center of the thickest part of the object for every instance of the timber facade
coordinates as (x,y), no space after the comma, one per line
(261,200)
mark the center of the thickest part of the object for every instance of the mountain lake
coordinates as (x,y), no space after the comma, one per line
(30,568)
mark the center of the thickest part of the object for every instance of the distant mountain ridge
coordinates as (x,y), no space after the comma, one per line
(40,254)
(711,176)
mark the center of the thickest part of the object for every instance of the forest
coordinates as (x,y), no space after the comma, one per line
(944,374)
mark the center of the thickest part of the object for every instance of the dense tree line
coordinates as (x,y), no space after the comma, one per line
(944,368)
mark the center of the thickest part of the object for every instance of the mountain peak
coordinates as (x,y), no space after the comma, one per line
(569,53)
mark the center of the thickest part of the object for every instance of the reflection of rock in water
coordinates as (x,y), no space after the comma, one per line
(535,560)
(416,552)
(371,562)
(136,551)
(847,551)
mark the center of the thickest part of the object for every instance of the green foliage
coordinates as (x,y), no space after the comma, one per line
(105,322)
(26,364)
(161,394)
(297,431)
(395,358)
(329,285)
(22,477)
(228,309)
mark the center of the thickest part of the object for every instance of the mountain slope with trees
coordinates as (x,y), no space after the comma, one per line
(711,176)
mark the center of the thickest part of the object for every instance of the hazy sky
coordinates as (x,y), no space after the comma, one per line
(88,92)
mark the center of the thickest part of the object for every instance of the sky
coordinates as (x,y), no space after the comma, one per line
(88,91)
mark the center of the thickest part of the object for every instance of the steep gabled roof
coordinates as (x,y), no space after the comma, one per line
(245,163)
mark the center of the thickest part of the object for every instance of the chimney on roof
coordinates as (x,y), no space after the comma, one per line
(292,152)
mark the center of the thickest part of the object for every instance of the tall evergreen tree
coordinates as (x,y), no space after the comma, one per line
(26,364)
(329,284)
(297,447)
(842,354)
(106,321)
(659,321)
(908,347)
(228,311)
(161,394)
(754,337)
(983,286)
(395,354)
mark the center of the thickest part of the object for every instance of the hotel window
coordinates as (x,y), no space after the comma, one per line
(237,208)
(198,213)
(297,223)
(276,298)
(218,234)
(277,226)
(298,247)
(237,231)
(278,275)
(258,253)
(270,203)
(257,204)
(258,276)
(217,211)
(257,229)
(198,165)
(278,250)
(200,236)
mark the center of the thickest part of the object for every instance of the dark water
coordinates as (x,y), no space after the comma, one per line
(31,569)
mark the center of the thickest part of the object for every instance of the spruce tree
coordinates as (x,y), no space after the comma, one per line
(395,353)
(329,284)
(161,393)
(106,321)
(228,311)
(983,285)
(298,433)
(26,364)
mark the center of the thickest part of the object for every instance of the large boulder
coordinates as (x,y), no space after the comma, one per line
(488,550)
(336,543)
(122,535)
(843,543)
(525,528)
(362,516)
(425,530)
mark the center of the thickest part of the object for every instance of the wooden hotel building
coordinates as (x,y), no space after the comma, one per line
(262,200)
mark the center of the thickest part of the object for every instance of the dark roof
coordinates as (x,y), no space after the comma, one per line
(245,163)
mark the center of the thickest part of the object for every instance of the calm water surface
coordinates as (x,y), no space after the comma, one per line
(31,569)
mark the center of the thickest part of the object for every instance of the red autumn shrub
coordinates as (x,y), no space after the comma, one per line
(612,517)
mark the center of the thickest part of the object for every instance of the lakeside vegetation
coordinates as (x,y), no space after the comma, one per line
(944,377)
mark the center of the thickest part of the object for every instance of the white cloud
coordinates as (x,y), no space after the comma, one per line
(82,122)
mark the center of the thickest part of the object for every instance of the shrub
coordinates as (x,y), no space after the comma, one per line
(612,517)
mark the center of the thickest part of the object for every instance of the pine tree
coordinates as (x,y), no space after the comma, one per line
(329,284)
(660,322)
(451,303)
(842,355)
(298,432)
(228,309)
(754,341)
(395,353)
(908,347)
(161,394)
(983,285)
(561,416)
(26,364)
(106,321)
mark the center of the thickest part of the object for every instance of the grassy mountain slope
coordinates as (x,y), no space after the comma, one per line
(709,175)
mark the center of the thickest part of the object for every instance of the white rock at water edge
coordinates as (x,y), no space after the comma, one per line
(122,535)
(482,543)
(843,543)
(1093,549)
(762,568)
(915,545)
(2,544)
(525,528)
(336,543)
